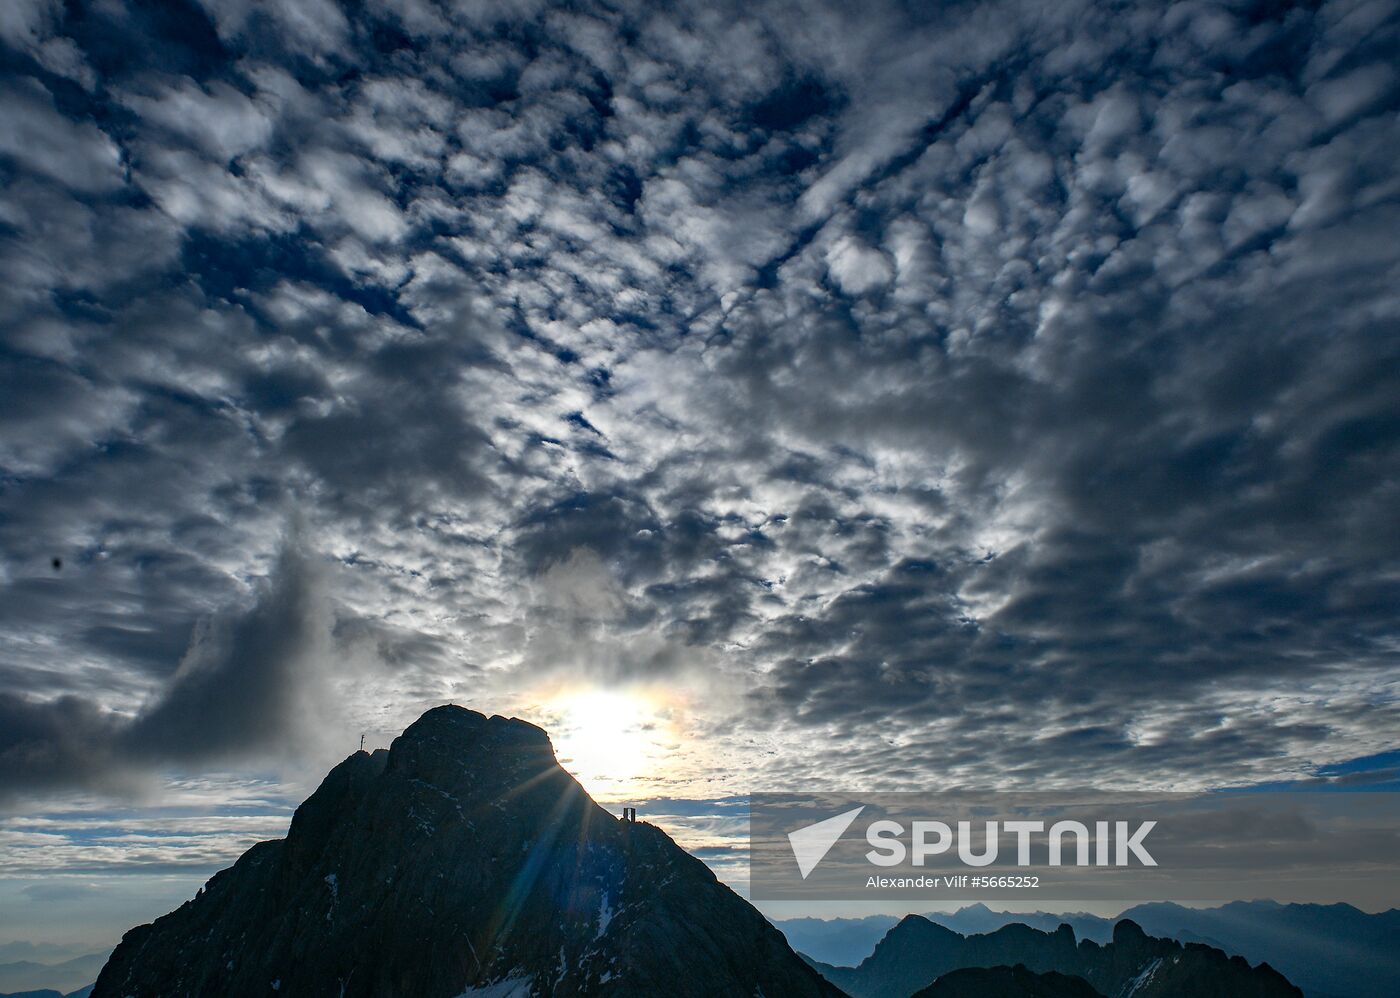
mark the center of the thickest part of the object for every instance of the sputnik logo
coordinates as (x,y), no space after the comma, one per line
(811,843)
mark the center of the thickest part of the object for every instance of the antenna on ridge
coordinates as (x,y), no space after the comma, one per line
(362,741)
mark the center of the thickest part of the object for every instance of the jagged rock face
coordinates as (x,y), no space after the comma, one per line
(1138,965)
(463,860)
(917,952)
(1007,982)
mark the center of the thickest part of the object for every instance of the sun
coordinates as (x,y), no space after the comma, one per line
(607,738)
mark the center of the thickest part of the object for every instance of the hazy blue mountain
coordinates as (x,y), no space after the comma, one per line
(842,941)
(1330,951)
(31,975)
(917,952)
(23,949)
(461,860)
(976,918)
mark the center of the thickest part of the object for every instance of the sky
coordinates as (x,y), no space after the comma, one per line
(759,396)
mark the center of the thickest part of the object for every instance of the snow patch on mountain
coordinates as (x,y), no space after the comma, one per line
(1143,978)
(514,986)
(605,915)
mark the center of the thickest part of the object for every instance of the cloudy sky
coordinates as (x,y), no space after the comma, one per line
(771,396)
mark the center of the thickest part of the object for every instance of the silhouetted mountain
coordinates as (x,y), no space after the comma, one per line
(916,952)
(463,860)
(1007,982)
(1330,951)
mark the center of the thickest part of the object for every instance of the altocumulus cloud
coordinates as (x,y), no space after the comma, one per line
(996,392)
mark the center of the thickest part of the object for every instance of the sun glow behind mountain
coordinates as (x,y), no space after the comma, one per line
(609,739)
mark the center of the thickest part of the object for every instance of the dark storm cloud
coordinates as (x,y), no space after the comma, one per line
(61,742)
(999,388)
(247,688)
(243,683)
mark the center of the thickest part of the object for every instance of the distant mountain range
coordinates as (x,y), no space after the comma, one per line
(1330,951)
(840,941)
(21,949)
(462,861)
(21,976)
(917,953)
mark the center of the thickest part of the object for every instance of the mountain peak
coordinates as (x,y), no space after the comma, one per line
(919,923)
(450,744)
(1127,931)
(463,857)
(452,720)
